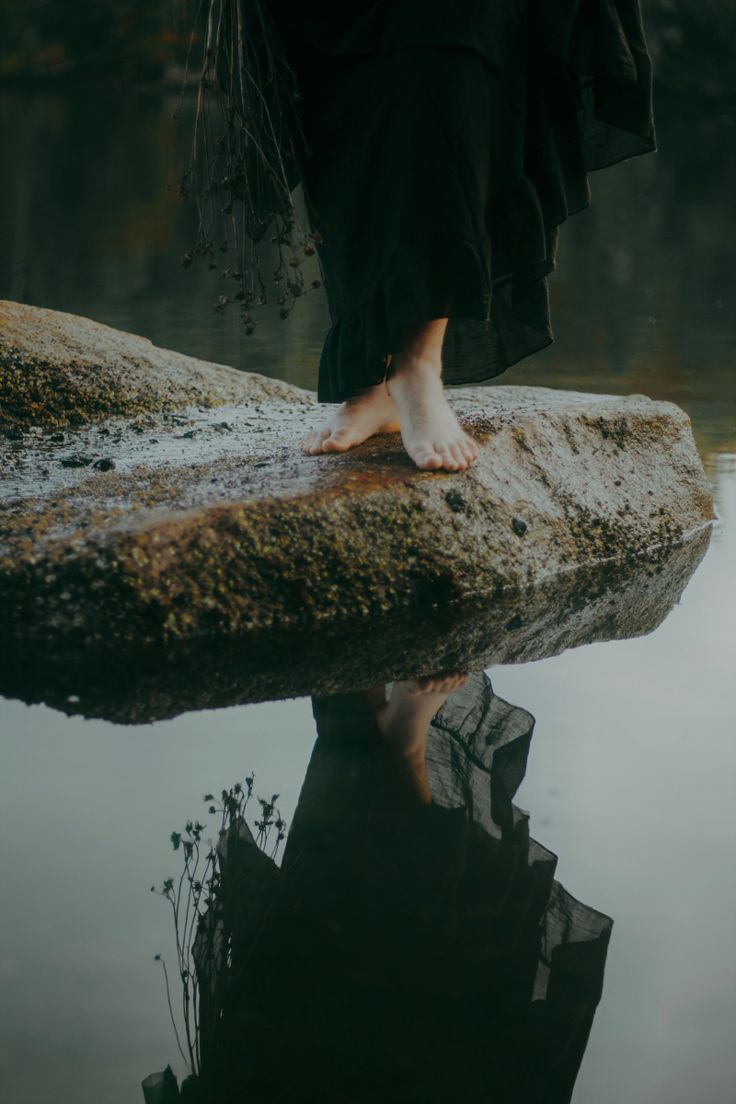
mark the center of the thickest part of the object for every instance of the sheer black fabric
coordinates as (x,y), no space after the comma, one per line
(404,951)
(446,143)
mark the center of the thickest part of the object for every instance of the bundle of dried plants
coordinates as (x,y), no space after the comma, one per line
(243,169)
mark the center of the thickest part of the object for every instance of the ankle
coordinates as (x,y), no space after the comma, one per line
(368,395)
(414,366)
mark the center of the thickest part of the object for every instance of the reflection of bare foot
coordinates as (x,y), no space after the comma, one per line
(370,412)
(405,718)
(404,724)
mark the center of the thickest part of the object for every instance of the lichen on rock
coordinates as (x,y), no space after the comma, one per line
(58,370)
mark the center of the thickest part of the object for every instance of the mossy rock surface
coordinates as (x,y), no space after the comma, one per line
(201,517)
(59,371)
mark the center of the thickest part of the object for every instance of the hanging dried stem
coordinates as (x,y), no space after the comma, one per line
(243,167)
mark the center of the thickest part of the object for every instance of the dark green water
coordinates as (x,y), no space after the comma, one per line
(630,774)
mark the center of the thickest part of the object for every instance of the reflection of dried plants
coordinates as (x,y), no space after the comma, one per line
(243,164)
(197,903)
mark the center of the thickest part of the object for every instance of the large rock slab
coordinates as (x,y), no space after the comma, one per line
(59,370)
(201,522)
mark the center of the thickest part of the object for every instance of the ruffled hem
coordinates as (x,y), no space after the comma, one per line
(395,305)
(575,97)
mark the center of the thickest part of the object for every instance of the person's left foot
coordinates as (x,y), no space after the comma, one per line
(354,421)
(430,431)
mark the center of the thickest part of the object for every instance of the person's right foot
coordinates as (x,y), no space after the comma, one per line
(354,421)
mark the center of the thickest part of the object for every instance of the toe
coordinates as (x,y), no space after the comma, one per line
(426,457)
(470,453)
(461,459)
(449,463)
(318,440)
(471,447)
(311,442)
(338,441)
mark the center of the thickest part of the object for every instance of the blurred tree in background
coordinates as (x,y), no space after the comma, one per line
(693,46)
(693,42)
(138,39)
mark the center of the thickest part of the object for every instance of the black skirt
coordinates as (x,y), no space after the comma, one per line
(441,155)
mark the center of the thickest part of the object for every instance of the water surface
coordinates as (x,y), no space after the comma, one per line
(630,768)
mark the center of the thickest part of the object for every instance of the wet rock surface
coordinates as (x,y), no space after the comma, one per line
(204,519)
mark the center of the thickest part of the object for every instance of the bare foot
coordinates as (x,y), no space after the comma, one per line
(429,429)
(370,412)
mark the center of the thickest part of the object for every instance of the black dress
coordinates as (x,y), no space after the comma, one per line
(444,143)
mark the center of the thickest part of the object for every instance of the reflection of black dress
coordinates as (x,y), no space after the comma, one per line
(448,139)
(405,952)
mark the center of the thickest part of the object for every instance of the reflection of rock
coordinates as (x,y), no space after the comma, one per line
(138,684)
(225,528)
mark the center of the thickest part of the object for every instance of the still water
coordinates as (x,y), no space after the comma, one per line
(623,750)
